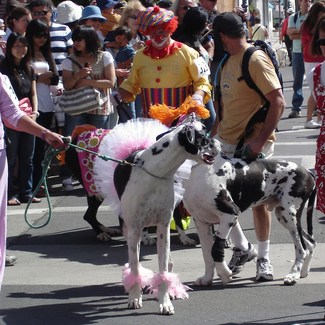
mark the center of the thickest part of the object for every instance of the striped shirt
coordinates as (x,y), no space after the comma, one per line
(61,42)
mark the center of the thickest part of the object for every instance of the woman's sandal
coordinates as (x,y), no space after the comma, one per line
(13,201)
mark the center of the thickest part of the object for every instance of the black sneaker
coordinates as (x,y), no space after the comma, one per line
(239,258)
(294,114)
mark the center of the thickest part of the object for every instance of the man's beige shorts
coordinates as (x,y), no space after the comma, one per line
(228,150)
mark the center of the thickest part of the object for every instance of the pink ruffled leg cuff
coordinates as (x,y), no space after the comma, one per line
(129,280)
(175,287)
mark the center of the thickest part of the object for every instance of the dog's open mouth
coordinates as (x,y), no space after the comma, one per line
(208,159)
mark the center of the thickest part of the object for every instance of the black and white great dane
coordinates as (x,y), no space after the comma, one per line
(146,194)
(219,193)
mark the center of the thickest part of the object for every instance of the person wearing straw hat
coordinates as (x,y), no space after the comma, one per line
(165,71)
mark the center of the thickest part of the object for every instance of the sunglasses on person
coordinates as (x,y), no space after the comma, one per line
(133,17)
(96,20)
(41,35)
(213,1)
(186,7)
(40,13)
(321,42)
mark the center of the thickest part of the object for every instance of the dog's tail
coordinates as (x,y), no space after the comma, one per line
(75,134)
(310,206)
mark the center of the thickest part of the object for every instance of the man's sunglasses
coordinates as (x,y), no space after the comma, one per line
(40,13)
(186,7)
(42,35)
(321,42)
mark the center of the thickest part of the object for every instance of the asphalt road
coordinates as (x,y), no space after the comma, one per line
(65,276)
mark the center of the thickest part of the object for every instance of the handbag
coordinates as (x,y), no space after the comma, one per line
(81,100)
(25,106)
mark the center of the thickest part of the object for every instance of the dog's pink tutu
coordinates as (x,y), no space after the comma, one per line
(119,143)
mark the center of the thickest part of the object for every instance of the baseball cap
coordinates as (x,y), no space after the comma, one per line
(290,11)
(228,23)
(105,4)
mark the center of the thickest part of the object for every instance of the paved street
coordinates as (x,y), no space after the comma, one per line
(65,276)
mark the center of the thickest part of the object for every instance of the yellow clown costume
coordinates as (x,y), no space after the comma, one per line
(167,76)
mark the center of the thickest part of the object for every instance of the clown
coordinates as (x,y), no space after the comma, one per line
(165,71)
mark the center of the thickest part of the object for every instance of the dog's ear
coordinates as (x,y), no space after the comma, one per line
(159,136)
(186,138)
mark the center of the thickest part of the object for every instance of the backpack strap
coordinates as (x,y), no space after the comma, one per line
(295,17)
(216,82)
(245,70)
(256,30)
(260,115)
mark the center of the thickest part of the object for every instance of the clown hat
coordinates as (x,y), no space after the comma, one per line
(154,16)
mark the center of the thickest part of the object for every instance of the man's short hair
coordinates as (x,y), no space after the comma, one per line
(39,3)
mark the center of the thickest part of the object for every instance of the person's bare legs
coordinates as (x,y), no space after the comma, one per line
(310,123)
(262,223)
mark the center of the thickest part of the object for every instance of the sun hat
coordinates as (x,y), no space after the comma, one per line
(91,12)
(105,4)
(228,23)
(154,16)
(68,12)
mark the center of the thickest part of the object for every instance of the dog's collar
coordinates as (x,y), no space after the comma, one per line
(153,175)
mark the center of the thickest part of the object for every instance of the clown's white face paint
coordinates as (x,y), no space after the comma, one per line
(160,38)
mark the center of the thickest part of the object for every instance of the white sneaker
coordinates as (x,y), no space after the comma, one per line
(264,270)
(67,185)
(312,125)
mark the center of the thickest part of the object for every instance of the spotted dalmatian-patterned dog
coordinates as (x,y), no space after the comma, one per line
(146,197)
(218,194)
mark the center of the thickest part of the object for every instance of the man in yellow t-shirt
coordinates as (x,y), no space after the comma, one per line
(239,103)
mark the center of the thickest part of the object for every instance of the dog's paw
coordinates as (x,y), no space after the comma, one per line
(135,297)
(166,308)
(291,279)
(187,241)
(203,281)
(103,236)
(147,239)
(135,303)
(223,272)
(110,231)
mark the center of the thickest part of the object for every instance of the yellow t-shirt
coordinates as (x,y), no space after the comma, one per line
(111,23)
(240,102)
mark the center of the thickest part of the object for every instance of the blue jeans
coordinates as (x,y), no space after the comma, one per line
(298,71)
(99,121)
(21,150)
(44,119)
